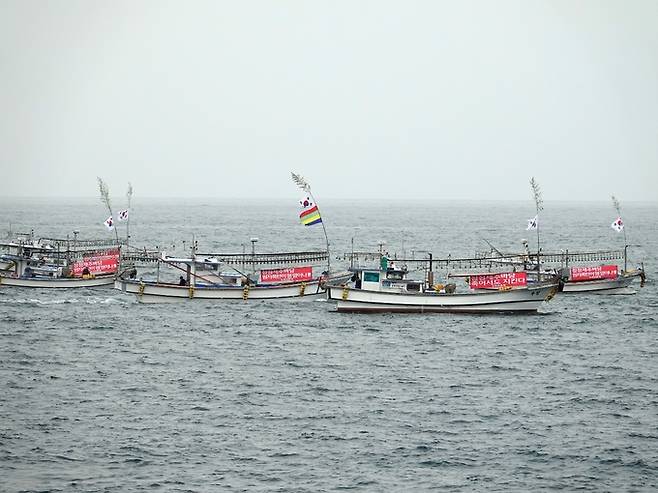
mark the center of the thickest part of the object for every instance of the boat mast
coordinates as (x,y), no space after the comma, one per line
(253,255)
(539,206)
(617,207)
(105,198)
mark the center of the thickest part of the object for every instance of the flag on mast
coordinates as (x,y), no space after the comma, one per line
(618,225)
(310,214)
(123,215)
(109,223)
(532,223)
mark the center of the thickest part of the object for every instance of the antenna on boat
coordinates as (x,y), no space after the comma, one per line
(352,255)
(304,185)
(253,253)
(539,206)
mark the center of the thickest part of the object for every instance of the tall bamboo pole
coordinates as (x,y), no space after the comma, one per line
(615,204)
(539,206)
(304,185)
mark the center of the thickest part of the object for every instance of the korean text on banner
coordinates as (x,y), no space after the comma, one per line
(495,281)
(593,273)
(101,263)
(292,274)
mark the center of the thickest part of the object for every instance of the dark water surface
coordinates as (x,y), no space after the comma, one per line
(100,393)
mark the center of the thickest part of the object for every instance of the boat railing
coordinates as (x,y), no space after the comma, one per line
(69,243)
(565,257)
(286,258)
(268,258)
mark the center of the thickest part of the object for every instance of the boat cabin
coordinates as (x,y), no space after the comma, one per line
(224,279)
(207,272)
(389,280)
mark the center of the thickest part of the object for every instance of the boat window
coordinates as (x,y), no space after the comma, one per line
(371,276)
(396,275)
(413,286)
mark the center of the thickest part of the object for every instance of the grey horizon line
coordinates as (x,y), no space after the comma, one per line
(118,199)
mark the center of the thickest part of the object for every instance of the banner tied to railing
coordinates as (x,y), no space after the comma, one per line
(99,263)
(593,273)
(495,281)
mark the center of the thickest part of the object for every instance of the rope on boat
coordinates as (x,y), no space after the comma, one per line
(346,291)
(245,292)
(191,291)
(302,288)
(141,289)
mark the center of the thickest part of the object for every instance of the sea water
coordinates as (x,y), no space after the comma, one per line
(101,393)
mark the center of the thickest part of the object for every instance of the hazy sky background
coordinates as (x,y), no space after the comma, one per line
(367,99)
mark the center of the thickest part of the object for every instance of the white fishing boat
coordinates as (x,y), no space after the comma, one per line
(56,282)
(587,272)
(389,290)
(57,263)
(161,292)
(603,279)
(236,277)
(244,276)
(581,272)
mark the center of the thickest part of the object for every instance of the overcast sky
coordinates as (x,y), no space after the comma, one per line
(367,99)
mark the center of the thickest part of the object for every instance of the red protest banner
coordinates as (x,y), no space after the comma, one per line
(593,273)
(292,274)
(100,263)
(495,281)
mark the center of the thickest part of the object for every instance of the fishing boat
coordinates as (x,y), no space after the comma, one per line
(620,284)
(57,263)
(389,289)
(603,279)
(235,276)
(586,272)
(593,272)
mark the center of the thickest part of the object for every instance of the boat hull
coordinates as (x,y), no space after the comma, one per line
(151,292)
(62,282)
(620,285)
(525,300)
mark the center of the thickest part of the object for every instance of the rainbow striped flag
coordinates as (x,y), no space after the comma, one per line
(310,216)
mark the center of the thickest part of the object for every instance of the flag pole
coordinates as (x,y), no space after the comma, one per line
(105,198)
(304,185)
(326,237)
(129,194)
(617,207)
(539,206)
